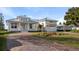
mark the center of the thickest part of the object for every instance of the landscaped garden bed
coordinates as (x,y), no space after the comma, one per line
(68,39)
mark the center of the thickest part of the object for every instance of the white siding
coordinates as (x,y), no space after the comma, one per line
(14,29)
(34,27)
(77,28)
(51,29)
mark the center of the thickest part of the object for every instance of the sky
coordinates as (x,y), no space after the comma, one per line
(56,13)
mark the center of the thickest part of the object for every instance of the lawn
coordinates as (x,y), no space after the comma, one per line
(3,42)
(65,38)
(3,39)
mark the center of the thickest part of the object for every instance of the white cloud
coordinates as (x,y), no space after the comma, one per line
(7,12)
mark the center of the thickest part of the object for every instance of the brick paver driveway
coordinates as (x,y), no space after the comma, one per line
(25,42)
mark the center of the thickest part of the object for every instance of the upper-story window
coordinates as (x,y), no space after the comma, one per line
(51,24)
(13,25)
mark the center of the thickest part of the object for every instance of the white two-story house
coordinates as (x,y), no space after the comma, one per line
(24,23)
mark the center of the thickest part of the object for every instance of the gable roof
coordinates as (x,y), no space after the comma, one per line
(23,21)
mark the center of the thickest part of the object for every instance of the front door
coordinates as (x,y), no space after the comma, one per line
(24,27)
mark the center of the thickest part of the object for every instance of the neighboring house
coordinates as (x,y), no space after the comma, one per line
(75,28)
(24,23)
(64,27)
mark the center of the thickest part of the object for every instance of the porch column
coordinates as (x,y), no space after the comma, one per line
(28,26)
(9,26)
(20,27)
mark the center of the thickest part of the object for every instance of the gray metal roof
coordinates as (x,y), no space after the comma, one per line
(48,19)
(21,17)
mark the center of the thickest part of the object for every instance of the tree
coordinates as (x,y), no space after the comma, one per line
(64,23)
(1,22)
(72,16)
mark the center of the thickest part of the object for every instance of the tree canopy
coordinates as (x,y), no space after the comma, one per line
(1,22)
(72,16)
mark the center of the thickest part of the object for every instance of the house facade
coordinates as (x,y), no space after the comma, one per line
(48,24)
(63,27)
(24,23)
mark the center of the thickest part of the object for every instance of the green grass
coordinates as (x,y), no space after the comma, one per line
(3,39)
(60,37)
(76,31)
(3,42)
(5,32)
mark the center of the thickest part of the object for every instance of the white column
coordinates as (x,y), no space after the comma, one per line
(28,26)
(36,25)
(9,26)
(19,26)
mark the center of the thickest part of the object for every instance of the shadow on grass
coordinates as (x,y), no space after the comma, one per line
(12,43)
(3,42)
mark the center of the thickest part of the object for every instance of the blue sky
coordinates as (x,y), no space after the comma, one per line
(56,13)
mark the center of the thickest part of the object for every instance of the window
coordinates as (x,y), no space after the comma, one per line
(13,25)
(30,26)
(51,24)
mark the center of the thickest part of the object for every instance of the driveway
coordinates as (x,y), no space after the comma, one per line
(25,42)
(19,42)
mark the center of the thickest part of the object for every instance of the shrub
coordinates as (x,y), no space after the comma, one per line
(61,34)
(53,33)
(75,30)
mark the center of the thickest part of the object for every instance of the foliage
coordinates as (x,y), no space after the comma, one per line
(1,22)
(46,34)
(72,16)
(77,31)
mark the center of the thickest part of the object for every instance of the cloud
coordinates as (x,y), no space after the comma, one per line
(7,12)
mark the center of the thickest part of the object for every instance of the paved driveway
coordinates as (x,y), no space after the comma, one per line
(19,42)
(25,42)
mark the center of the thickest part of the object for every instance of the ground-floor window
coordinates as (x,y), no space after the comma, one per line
(51,25)
(13,25)
(30,26)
